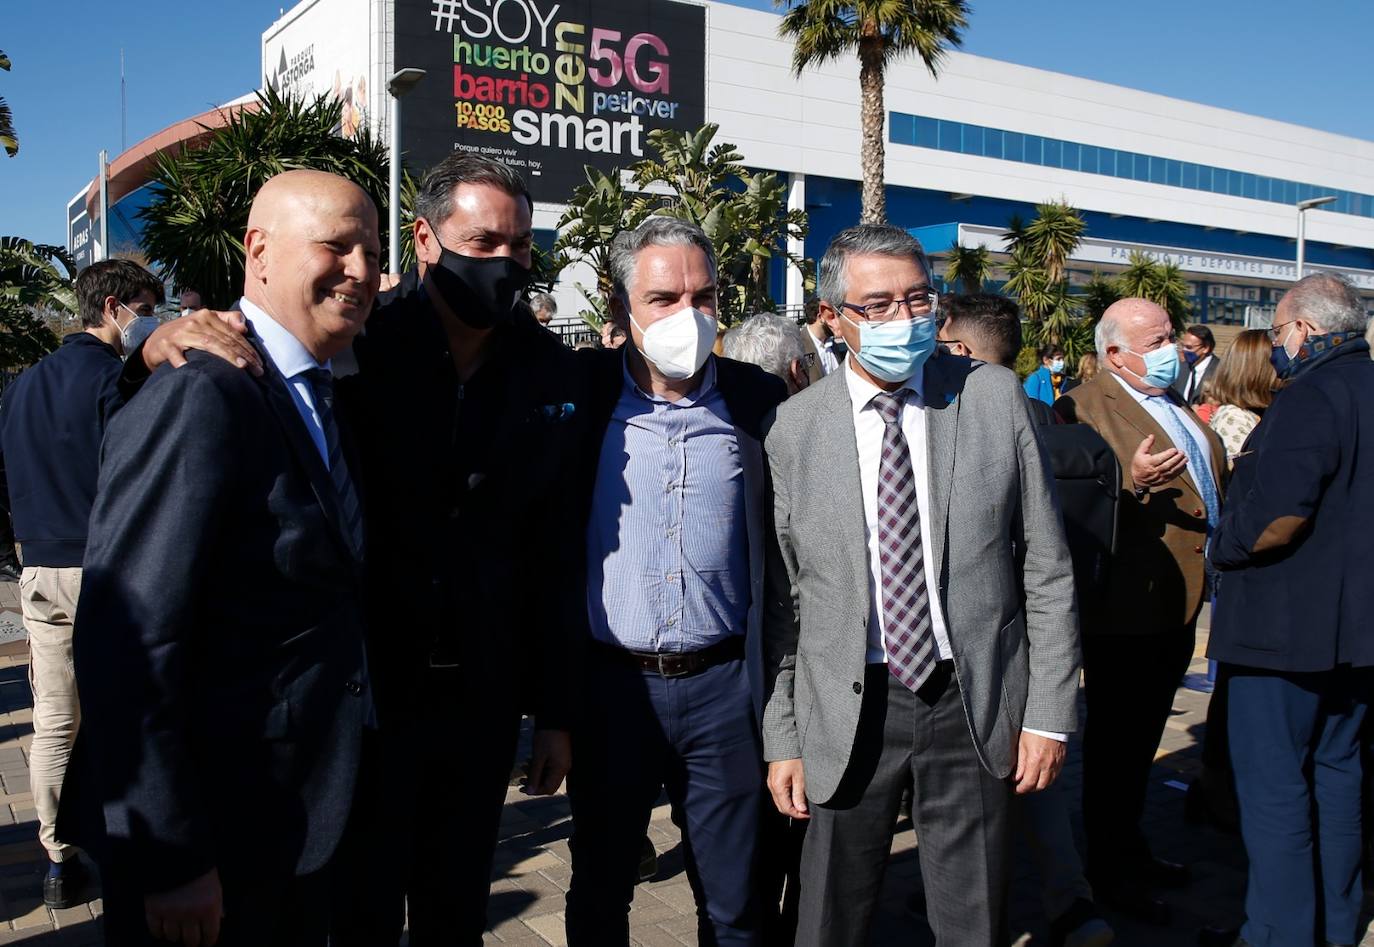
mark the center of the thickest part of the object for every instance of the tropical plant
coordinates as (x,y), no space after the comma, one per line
(1097,294)
(9,139)
(970,267)
(743,213)
(878,31)
(1160,282)
(35,279)
(195,224)
(1037,276)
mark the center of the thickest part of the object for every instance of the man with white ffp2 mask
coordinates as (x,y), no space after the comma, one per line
(675,542)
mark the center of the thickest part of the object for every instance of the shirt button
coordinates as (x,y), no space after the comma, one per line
(670,577)
(671,622)
(858,688)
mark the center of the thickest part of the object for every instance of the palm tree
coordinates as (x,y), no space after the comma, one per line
(1053,236)
(879,31)
(8,137)
(195,224)
(34,278)
(970,267)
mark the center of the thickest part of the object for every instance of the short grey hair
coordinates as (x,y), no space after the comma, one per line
(654,232)
(1107,332)
(545,302)
(1329,301)
(768,340)
(863,240)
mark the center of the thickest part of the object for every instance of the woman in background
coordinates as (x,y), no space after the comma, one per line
(1242,387)
(1087,371)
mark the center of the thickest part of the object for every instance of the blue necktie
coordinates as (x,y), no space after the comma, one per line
(1197,462)
(322,384)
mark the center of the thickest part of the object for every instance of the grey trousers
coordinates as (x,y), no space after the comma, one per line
(960,810)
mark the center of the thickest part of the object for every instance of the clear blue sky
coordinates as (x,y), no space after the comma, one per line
(184,56)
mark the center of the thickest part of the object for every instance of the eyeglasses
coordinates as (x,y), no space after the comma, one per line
(1275,330)
(920,304)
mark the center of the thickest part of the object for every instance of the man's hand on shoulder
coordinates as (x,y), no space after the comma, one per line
(1038,762)
(787,783)
(189,915)
(223,334)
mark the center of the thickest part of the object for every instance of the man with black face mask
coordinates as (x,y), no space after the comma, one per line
(467,416)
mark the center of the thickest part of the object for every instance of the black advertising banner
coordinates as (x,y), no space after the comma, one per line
(79,242)
(549,85)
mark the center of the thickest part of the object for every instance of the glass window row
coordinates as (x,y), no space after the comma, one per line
(966,139)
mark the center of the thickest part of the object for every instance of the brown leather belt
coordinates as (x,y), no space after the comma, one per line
(676,664)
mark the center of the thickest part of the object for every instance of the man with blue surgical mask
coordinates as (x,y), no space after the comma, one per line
(1171,468)
(921,630)
(675,545)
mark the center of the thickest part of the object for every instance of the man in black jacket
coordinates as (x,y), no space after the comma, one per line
(221,657)
(468,413)
(51,424)
(1293,626)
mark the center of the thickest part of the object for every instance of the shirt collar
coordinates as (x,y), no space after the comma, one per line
(862,391)
(1136,393)
(708,383)
(286,351)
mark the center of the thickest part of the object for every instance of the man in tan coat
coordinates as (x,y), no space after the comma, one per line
(1171,465)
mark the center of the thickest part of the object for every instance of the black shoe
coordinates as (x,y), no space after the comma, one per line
(1221,937)
(648,861)
(1134,900)
(65,884)
(9,572)
(1165,874)
(1081,926)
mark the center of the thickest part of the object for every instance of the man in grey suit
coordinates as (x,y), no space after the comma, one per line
(920,629)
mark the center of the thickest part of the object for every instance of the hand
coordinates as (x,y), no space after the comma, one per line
(787,783)
(389,281)
(219,333)
(1038,762)
(550,760)
(187,915)
(1155,470)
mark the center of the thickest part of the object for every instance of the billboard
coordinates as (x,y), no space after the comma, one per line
(549,85)
(80,238)
(321,48)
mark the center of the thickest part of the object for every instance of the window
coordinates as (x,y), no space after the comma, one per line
(923,132)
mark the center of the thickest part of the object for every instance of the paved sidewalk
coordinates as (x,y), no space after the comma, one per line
(532,864)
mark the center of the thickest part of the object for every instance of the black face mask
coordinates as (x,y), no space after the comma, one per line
(481,291)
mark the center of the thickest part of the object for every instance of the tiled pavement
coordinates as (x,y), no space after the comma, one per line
(532,863)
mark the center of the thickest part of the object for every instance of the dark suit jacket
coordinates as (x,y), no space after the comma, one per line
(814,371)
(1157,577)
(219,652)
(472,528)
(1185,371)
(1305,605)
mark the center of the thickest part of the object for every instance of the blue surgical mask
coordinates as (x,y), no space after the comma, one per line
(1279,356)
(1057,366)
(894,351)
(1161,366)
(1190,357)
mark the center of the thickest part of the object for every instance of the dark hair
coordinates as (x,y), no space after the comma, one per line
(122,279)
(1050,351)
(434,199)
(989,324)
(1203,334)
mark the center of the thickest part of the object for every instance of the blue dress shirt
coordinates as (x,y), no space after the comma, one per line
(293,360)
(667,542)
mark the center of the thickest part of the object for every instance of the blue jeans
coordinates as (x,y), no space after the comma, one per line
(696,737)
(1295,741)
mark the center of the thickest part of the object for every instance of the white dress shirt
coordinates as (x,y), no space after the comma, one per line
(1195,373)
(869,428)
(1157,407)
(825,352)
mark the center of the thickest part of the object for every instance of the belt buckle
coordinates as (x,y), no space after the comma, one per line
(664,657)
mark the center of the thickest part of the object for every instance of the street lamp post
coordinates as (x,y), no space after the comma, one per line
(1303,208)
(401,82)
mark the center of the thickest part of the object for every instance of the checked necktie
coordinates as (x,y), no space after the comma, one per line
(908,638)
(1197,463)
(322,384)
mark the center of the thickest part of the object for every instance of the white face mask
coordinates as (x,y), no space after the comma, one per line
(679,344)
(135,331)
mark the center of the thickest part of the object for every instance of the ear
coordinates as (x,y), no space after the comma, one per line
(110,308)
(255,253)
(799,378)
(427,248)
(831,318)
(620,313)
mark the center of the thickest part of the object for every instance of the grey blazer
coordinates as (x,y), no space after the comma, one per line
(995,551)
